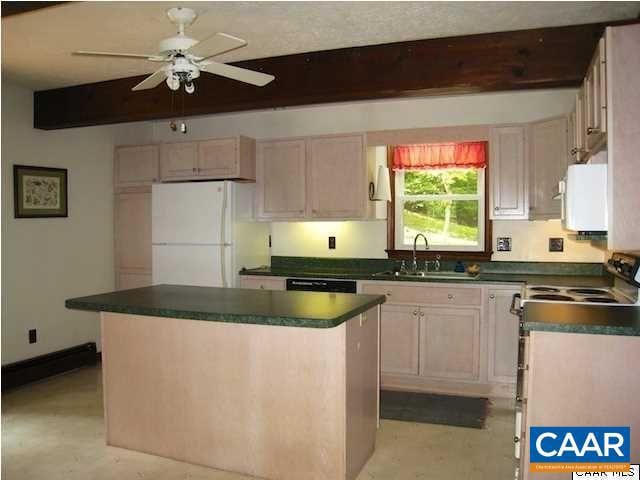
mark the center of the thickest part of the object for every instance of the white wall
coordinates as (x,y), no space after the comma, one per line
(365,116)
(368,239)
(45,261)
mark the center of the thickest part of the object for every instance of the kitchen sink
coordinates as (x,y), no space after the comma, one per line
(427,275)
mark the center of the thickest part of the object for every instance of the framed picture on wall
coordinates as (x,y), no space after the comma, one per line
(39,192)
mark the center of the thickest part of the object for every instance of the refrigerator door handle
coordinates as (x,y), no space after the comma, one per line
(223,219)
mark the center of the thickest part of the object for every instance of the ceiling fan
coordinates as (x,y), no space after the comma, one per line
(186,57)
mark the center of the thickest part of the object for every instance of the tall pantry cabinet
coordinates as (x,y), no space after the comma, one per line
(135,169)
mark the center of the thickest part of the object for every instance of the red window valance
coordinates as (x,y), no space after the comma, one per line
(440,155)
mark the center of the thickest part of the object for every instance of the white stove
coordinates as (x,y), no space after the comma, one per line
(625,290)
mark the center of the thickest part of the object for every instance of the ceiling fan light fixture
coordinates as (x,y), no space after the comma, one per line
(189,87)
(173,82)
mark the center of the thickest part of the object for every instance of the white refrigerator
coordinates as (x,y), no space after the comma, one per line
(203,233)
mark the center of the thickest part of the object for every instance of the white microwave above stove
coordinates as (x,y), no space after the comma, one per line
(584,198)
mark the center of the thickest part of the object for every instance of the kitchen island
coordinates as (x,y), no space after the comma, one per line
(278,385)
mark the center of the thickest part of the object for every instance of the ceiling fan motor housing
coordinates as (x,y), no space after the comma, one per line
(176,44)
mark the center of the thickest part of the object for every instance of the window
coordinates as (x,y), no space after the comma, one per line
(446,205)
(439,191)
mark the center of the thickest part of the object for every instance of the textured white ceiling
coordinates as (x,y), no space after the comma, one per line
(37,46)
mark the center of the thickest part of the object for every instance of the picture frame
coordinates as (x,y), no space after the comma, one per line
(40,192)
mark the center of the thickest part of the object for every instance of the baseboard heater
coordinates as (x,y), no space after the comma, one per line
(43,366)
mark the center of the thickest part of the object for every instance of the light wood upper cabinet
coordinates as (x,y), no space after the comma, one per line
(503,336)
(508,173)
(399,339)
(133,238)
(450,343)
(595,91)
(547,166)
(179,160)
(281,179)
(136,165)
(337,173)
(581,151)
(222,158)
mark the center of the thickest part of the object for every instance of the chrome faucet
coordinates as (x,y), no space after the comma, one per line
(414,263)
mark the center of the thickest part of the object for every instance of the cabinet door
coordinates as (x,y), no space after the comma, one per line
(179,161)
(548,165)
(136,166)
(581,130)
(337,177)
(133,232)
(503,336)
(595,99)
(571,138)
(218,158)
(509,189)
(280,178)
(399,339)
(450,343)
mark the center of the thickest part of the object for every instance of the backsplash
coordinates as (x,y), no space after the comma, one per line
(529,241)
(373,265)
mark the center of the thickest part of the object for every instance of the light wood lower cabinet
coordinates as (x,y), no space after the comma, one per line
(503,336)
(262,283)
(450,343)
(447,338)
(399,339)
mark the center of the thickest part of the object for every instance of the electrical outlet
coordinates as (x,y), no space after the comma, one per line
(504,244)
(33,335)
(332,243)
(556,244)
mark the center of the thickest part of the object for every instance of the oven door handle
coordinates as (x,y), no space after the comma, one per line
(512,308)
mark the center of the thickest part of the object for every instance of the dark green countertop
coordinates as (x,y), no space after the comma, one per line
(493,278)
(580,318)
(233,305)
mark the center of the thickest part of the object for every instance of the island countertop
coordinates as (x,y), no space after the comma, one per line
(232,305)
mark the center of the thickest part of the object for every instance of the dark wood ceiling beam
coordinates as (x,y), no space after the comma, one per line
(525,59)
(9,8)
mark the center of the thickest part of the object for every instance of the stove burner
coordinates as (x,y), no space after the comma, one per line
(600,300)
(544,289)
(588,291)
(551,296)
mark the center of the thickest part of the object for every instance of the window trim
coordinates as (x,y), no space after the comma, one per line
(401,253)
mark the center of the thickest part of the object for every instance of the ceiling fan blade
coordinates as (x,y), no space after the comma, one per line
(216,44)
(152,58)
(152,80)
(236,73)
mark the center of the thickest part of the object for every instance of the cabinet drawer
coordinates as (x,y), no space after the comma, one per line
(427,295)
(262,283)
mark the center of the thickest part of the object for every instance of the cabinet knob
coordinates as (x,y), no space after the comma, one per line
(450,296)
(195,169)
(592,130)
(415,312)
(497,208)
(421,313)
(261,287)
(388,294)
(492,296)
(516,439)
